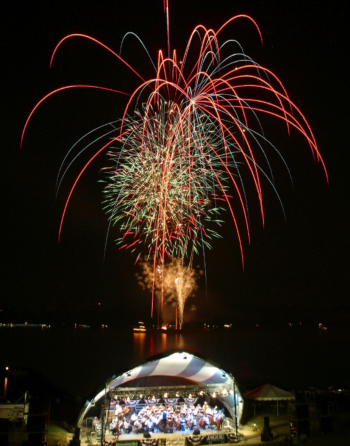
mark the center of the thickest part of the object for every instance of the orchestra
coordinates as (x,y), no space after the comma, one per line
(159,417)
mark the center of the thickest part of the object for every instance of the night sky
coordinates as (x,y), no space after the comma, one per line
(294,269)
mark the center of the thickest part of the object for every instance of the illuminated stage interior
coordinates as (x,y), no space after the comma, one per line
(180,392)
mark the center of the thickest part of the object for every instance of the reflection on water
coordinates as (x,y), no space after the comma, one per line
(5,387)
(179,340)
(163,344)
(80,360)
(139,344)
(149,344)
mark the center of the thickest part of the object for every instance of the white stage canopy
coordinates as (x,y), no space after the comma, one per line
(184,365)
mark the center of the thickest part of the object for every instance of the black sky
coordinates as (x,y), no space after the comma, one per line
(293,268)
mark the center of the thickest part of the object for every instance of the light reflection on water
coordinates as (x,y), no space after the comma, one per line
(80,360)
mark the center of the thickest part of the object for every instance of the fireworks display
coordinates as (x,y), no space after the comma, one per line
(178,152)
(174,282)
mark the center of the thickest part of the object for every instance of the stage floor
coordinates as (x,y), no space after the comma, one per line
(88,439)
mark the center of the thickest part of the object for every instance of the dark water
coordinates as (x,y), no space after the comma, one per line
(79,360)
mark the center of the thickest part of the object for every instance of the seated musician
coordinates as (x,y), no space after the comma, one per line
(209,410)
(195,423)
(126,426)
(221,416)
(177,422)
(113,427)
(118,409)
(133,417)
(138,426)
(189,420)
(205,421)
(155,420)
(197,410)
(149,425)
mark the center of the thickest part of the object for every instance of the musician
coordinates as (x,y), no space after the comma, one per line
(197,410)
(189,420)
(113,427)
(138,426)
(149,425)
(177,422)
(155,420)
(133,417)
(195,423)
(118,409)
(220,417)
(119,426)
(204,422)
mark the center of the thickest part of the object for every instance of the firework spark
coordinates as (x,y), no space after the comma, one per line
(183,139)
(174,281)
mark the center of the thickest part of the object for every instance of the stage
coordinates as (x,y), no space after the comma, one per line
(177,438)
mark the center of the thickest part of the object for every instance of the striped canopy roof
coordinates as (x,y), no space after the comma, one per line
(181,364)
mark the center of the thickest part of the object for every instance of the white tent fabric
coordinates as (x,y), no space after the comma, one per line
(180,364)
(268,392)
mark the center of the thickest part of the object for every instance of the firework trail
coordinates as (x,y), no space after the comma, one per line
(175,281)
(183,139)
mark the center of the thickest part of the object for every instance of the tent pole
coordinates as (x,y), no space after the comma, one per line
(277,408)
(254,408)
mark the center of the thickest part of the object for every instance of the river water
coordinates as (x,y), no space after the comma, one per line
(80,360)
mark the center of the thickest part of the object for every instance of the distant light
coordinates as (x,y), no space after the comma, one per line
(6,368)
(99,303)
